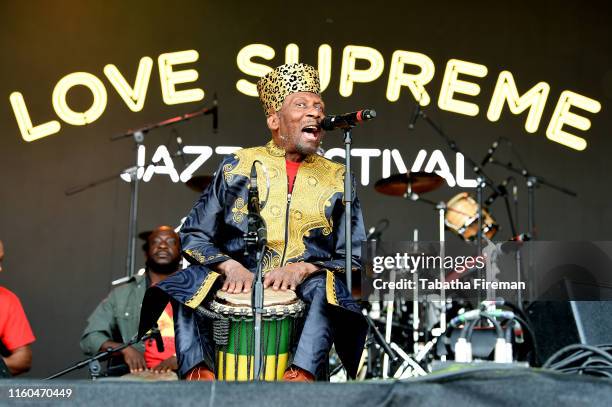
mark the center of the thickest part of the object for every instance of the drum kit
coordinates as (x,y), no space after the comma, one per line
(417,326)
(461,211)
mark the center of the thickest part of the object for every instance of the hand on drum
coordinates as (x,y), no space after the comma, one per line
(237,277)
(166,366)
(134,359)
(288,276)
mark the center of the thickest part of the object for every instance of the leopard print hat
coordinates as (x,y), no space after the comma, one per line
(275,86)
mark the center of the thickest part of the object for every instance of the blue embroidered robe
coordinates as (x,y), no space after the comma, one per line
(307,225)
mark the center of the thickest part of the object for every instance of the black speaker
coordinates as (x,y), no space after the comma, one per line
(561,323)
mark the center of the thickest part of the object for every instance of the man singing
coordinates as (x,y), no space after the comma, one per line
(305,227)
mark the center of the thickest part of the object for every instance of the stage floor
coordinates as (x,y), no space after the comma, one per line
(474,387)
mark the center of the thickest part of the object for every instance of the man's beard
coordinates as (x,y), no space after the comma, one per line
(306,149)
(164,269)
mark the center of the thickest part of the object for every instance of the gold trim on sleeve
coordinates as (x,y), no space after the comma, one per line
(202,292)
(330,288)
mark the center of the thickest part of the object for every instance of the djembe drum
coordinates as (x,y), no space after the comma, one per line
(233,331)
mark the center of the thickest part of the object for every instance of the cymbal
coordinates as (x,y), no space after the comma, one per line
(199,182)
(420,182)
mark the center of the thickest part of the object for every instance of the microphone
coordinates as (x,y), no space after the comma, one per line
(501,191)
(253,204)
(255,223)
(415,115)
(490,152)
(346,120)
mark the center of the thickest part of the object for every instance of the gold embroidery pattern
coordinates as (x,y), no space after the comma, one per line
(273,158)
(201,258)
(270,261)
(317,180)
(239,210)
(205,287)
(226,169)
(310,200)
(330,288)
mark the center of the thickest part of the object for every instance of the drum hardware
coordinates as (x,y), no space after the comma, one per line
(376,337)
(408,368)
(94,362)
(405,185)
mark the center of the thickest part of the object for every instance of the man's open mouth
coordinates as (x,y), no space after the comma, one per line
(313,130)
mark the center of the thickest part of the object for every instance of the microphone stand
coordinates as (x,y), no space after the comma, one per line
(94,361)
(138,136)
(256,239)
(348,207)
(482,181)
(532,181)
(136,172)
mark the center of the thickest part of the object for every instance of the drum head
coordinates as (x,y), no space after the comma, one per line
(276,303)
(271,297)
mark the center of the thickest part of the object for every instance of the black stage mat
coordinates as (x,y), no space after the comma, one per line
(476,387)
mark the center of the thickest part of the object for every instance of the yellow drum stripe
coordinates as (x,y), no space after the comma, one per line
(228,373)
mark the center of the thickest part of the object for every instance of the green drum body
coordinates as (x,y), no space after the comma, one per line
(234,334)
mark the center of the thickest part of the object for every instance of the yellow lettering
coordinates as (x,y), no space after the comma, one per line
(169,78)
(246,65)
(134,97)
(415,82)
(292,54)
(28,131)
(562,116)
(350,75)
(534,100)
(60,105)
(451,85)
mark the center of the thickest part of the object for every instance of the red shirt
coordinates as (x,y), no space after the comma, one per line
(292,169)
(165,324)
(15,330)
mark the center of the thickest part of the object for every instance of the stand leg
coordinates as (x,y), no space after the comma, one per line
(481,186)
(133,225)
(531,185)
(348,203)
(442,215)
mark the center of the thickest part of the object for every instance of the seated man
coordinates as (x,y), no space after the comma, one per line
(115,320)
(15,332)
(306,237)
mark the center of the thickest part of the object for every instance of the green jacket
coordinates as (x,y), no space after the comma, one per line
(116,317)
